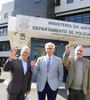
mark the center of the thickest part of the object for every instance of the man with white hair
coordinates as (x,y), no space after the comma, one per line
(50,73)
(20,68)
(78,79)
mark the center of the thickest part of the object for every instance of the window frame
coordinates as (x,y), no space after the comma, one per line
(57,3)
(70,1)
(37,1)
(5,15)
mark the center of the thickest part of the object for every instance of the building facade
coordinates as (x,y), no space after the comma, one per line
(77,11)
(68,10)
(73,10)
(7,10)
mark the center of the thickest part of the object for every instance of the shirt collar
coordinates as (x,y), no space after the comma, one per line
(50,56)
(22,59)
(76,58)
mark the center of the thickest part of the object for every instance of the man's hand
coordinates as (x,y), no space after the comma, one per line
(13,54)
(33,63)
(27,92)
(88,92)
(68,47)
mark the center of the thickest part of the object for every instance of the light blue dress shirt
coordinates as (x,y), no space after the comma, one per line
(24,63)
(48,59)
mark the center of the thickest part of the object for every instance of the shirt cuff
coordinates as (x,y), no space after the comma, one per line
(67,53)
(9,60)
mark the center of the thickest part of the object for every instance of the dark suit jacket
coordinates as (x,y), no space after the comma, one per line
(19,82)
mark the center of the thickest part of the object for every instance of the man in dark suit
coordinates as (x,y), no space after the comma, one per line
(20,68)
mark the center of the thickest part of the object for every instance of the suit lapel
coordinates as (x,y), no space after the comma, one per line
(45,63)
(20,64)
(85,69)
(52,63)
(28,66)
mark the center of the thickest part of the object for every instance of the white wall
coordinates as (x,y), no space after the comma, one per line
(77,4)
(4,38)
(4,53)
(7,8)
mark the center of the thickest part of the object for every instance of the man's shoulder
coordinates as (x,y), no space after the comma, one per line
(16,59)
(57,58)
(42,57)
(86,60)
(72,57)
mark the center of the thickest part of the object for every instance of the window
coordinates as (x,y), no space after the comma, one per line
(69,1)
(4,46)
(3,31)
(6,15)
(36,1)
(72,18)
(78,18)
(39,51)
(66,18)
(2,61)
(12,13)
(57,3)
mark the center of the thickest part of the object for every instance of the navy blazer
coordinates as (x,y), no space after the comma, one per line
(19,83)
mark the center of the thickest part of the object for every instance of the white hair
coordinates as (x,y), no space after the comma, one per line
(49,43)
(25,47)
(78,48)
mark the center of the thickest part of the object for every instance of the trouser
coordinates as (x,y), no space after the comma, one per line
(51,95)
(76,94)
(12,96)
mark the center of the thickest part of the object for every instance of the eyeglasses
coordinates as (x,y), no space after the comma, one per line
(49,48)
(25,52)
(80,50)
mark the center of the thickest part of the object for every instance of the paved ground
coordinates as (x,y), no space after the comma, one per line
(4,78)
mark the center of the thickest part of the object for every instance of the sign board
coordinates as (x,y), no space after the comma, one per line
(27,27)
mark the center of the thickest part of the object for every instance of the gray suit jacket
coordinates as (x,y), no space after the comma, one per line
(19,82)
(71,63)
(55,74)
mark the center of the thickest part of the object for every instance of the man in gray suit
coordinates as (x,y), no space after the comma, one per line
(50,73)
(20,83)
(78,79)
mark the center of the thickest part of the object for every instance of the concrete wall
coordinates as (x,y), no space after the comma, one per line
(7,8)
(29,7)
(4,53)
(77,4)
(44,8)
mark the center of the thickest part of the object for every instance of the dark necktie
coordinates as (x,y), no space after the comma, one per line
(48,64)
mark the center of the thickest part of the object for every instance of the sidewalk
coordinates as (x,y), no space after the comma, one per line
(4,79)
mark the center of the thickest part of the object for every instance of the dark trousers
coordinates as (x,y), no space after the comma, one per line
(51,95)
(12,96)
(76,94)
